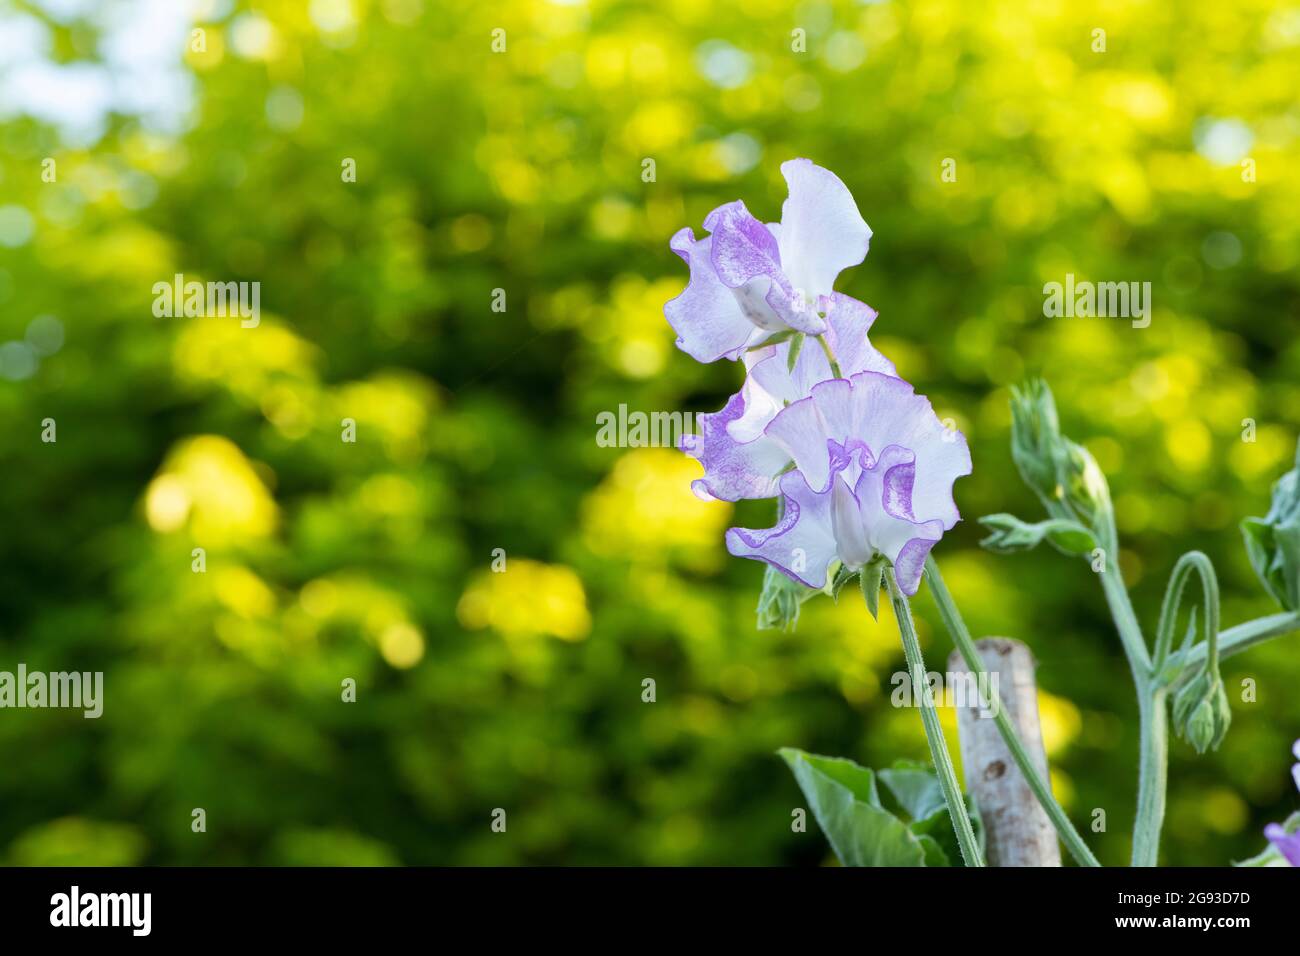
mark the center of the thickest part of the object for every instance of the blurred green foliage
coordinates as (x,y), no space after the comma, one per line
(522,171)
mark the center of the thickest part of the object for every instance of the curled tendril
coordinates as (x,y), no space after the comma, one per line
(1191,561)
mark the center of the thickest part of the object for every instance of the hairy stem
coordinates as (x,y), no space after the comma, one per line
(1153,773)
(1126,622)
(970,851)
(1242,637)
(1153,719)
(952,620)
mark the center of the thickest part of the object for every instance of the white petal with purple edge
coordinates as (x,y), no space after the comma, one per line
(882,492)
(802,544)
(733,470)
(876,410)
(747,260)
(706,317)
(822,232)
(769,385)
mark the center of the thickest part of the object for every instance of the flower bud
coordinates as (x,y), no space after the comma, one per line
(779,601)
(1057,469)
(1273,542)
(1201,712)
(1035,436)
(1086,489)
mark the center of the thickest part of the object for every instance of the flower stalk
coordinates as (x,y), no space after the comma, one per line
(961,638)
(970,850)
(830,356)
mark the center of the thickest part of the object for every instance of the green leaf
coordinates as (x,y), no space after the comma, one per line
(1273,542)
(1288,548)
(776,339)
(846,804)
(938,827)
(842,577)
(871,578)
(934,853)
(796,345)
(916,788)
(1261,549)
(1010,534)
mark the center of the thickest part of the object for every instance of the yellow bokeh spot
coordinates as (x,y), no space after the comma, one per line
(1061,722)
(1188,444)
(248,362)
(319,598)
(527,599)
(1146,100)
(401,644)
(1062,787)
(645,509)
(209,484)
(243,592)
(1223,811)
(395,405)
(167,503)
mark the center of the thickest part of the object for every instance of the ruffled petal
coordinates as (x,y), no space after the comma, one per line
(802,544)
(821,231)
(747,260)
(909,562)
(884,492)
(805,434)
(706,317)
(848,322)
(877,411)
(735,469)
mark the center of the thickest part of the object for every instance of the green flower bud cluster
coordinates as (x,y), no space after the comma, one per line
(1273,542)
(1201,712)
(1063,474)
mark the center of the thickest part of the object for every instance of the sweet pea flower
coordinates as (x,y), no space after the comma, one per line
(874,470)
(739,459)
(750,280)
(1288,844)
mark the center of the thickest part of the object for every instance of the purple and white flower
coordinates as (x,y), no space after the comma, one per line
(751,280)
(874,470)
(1288,844)
(739,459)
(861,462)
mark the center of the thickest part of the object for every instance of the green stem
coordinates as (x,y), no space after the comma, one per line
(1153,773)
(1189,562)
(1153,719)
(1242,637)
(830,356)
(1126,622)
(970,851)
(952,619)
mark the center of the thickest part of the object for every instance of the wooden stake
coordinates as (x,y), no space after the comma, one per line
(1018,831)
